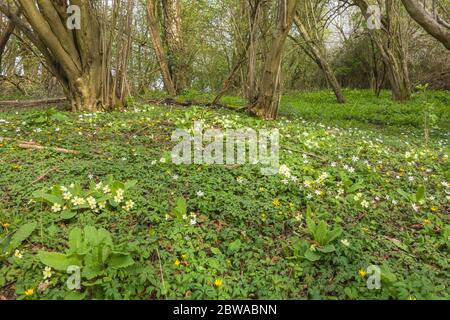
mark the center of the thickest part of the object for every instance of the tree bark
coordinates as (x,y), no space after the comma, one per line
(4,38)
(74,57)
(314,50)
(391,51)
(159,50)
(268,100)
(432,25)
(178,64)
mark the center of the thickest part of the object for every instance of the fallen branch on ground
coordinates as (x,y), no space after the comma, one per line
(36,146)
(173,102)
(31,103)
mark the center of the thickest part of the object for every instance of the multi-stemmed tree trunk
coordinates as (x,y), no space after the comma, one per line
(178,60)
(268,98)
(75,57)
(169,46)
(431,22)
(159,49)
(315,50)
(390,44)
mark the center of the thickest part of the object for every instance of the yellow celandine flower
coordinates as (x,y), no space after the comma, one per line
(362,273)
(29,292)
(426,222)
(433,209)
(218,282)
(6,225)
(276,202)
(291,205)
(262,189)
(177,263)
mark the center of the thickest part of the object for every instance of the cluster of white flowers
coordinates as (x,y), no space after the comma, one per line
(284,171)
(56,207)
(77,201)
(119,195)
(128,205)
(92,202)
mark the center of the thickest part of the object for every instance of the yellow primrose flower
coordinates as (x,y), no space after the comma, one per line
(47,273)
(276,202)
(218,282)
(362,273)
(29,292)
(18,254)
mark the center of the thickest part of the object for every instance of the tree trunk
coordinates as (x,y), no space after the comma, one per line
(315,52)
(393,54)
(159,50)
(267,103)
(75,57)
(4,38)
(178,64)
(437,28)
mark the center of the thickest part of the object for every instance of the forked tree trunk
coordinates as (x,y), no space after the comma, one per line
(74,57)
(268,100)
(178,60)
(392,53)
(159,50)
(314,50)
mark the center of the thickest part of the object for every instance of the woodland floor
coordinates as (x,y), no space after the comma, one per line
(362,167)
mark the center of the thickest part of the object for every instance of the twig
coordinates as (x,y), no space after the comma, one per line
(36,146)
(40,178)
(305,152)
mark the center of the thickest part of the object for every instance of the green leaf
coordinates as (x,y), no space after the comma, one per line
(327,249)
(234,246)
(312,256)
(130,184)
(68,214)
(311,226)
(75,240)
(58,261)
(215,251)
(50,198)
(332,235)
(181,208)
(320,235)
(21,234)
(420,195)
(118,261)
